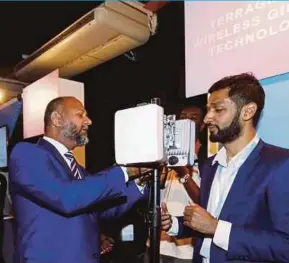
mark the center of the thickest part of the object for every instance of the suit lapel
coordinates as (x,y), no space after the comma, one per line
(207,175)
(55,153)
(245,171)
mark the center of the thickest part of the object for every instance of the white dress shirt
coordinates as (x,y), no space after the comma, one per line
(59,147)
(62,150)
(221,185)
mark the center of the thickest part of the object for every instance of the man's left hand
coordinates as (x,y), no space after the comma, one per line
(199,219)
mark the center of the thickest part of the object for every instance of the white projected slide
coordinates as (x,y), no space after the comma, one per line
(225,38)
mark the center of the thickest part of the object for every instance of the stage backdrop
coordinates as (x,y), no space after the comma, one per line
(274,124)
(230,37)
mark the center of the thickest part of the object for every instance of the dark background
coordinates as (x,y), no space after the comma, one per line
(120,83)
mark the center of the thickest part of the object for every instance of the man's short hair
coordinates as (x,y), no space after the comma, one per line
(243,89)
(53,105)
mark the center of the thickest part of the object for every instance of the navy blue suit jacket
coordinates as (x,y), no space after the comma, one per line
(52,223)
(257,206)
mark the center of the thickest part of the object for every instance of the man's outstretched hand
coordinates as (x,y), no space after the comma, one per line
(136,174)
(136,171)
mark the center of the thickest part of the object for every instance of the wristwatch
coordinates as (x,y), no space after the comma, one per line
(184,179)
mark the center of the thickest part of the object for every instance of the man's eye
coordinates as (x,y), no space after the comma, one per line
(218,110)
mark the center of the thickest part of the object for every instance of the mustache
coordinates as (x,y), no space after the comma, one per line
(208,125)
(84,128)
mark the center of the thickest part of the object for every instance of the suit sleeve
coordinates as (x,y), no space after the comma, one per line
(33,174)
(184,231)
(133,194)
(253,244)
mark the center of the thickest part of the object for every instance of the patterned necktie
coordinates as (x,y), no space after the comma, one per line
(73,165)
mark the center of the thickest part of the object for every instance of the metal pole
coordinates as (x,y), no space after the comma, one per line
(155,219)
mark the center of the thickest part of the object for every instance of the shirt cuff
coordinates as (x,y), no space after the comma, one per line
(126,178)
(174,230)
(222,234)
(124,169)
(140,188)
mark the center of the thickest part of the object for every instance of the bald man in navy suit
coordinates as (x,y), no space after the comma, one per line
(57,203)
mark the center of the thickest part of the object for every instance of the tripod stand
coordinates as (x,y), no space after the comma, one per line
(154,218)
(153,214)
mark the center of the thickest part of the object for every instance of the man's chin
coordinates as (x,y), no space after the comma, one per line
(214,139)
(83,140)
(213,136)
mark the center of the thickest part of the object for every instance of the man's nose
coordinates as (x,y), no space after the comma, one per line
(88,121)
(208,118)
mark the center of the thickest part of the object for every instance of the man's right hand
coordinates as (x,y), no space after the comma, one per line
(166,218)
(136,171)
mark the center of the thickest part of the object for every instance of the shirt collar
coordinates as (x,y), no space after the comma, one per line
(59,146)
(238,159)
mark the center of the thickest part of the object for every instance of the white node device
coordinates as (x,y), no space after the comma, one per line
(139,135)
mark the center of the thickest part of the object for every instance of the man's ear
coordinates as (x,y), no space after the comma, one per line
(249,111)
(56,119)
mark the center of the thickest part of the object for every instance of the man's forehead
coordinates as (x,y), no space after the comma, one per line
(73,104)
(219,96)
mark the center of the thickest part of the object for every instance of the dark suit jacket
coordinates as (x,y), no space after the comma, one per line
(52,223)
(257,206)
(3,189)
